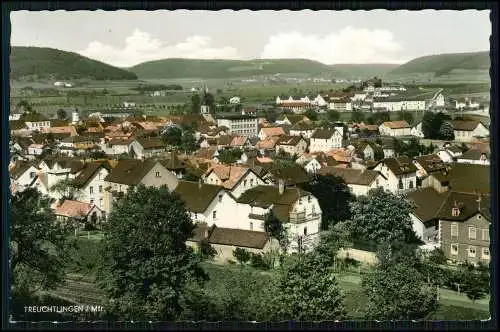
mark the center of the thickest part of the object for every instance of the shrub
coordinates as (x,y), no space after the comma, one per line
(241,255)
(206,250)
(257,261)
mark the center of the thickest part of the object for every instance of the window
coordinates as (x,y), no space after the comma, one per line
(455,212)
(454,229)
(472,233)
(472,252)
(251,226)
(244,183)
(214,215)
(91,190)
(411,184)
(400,185)
(195,216)
(32,175)
(251,182)
(100,189)
(308,199)
(220,198)
(454,249)
(486,234)
(91,202)
(100,202)
(485,254)
(305,230)
(157,174)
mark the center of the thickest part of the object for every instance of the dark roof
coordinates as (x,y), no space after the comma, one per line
(293,118)
(238,238)
(197,196)
(303,125)
(471,154)
(466,178)
(173,162)
(289,140)
(400,165)
(130,171)
(74,164)
(150,142)
(20,168)
(428,203)
(467,203)
(323,134)
(224,140)
(396,124)
(200,232)
(351,175)
(464,125)
(16,124)
(430,162)
(293,174)
(265,196)
(33,117)
(78,139)
(454,149)
(87,173)
(234,116)
(59,123)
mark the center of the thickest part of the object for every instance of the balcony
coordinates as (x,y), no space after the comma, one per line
(257,216)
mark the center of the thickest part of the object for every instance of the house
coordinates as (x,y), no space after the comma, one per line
(359,181)
(428,164)
(174,165)
(147,147)
(303,128)
(236,179)
(317,162)
(298,210)
(464,227)
(343,104)
(395,128)
(240,142)
(269,144)
(91,183)
(35,121)
(239,124)
(117,146)
(324,140)
(36,149)
(468,131)
(473,156)
(55,169)
(131,172)
(79,213)
(449,154)
(296,106)
(291,119)
(365,150)
(400,173)
(234,100)
(266,132)
(319,101)
(416,130)
(292,174)
(22,175)
(425,221)
(249,111)
(293,145)
(467,178)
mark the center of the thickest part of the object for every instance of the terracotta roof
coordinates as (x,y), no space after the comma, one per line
(273,131)
(130,171)
(59,123)
(467,203)
(289,140)
(239,141)
(73,209)
(396,124)
(268,143)
(350,175)
(430,162)
(197,196)
(61,130)
(264,160)
(229,175)
(427,202)
(238,238)
(148,126)
(400,165)
(464,125)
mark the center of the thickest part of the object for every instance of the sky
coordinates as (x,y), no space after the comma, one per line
(126,38)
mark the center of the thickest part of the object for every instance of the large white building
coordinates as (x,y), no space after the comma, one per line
(238,124)
(395,128)
(401,174)
(324,140)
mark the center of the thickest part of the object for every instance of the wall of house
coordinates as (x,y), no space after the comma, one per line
(225,252)
(463,241)
(392,183)
(313,166)
(166,178)
(98,185)
(26,178)
(325,145)
(35,151)
(481,131)
(303,133)
(250,180)
(298,149)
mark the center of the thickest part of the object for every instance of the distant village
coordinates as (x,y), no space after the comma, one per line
(233,169)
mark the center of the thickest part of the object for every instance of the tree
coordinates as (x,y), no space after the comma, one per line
(333,196)
(446,131)
(302,290)
(331,241)
(405,116)
(333,115)
(428,125)
(357,116)
(38,246)
(146,262)
(66,189)
(188,142)
(397,292)
(381,216)
(271,115)
(241,255)
(209,100)
(173,136)
(312,115)
(275,229)
(61,114)
(195,103)
(229,156)
(206,250)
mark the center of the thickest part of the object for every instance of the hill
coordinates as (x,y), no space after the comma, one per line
(442,64)
(196,68)
(49,63)
(363,71)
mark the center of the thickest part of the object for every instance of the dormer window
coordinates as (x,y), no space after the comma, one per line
(157,174)
(455,212)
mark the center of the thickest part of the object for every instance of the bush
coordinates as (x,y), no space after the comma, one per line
(257,261)
(206,250)
(241,255)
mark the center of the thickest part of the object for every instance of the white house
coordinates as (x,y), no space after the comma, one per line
(22,175)
(245,125)
(293,145)
(468,131)
(36,149)
(401,174)
(147,147)
(266,132)
(319,101)
(359,181)
(449,154)
(35,121)
(79,212)
(303,128)
(387,104)
(235,179)
(235,100)
(473,156)
(416,130)
(91,184)
(324,140)
(395,128)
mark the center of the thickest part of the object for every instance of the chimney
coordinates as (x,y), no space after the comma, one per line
(281,186)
